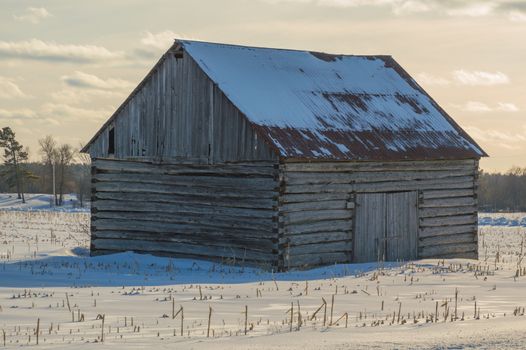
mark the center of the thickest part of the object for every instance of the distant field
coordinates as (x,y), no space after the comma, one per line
(47,278)
(10,201)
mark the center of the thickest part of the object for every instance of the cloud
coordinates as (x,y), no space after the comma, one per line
(517,16)
(63,112)
(507,107)
(79,96)
(84,80)
(495,137)
(35,49)
(33,15)
(480,9)
(454,8)
(473,78)
(162,40)
(12,115)
(481,107)
(9,89)
(429,79)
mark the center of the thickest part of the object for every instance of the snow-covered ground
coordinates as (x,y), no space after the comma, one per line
(10,201)
(47,275)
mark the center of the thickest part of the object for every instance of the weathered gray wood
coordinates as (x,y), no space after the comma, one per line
(446,211)
(445,249)
(311,260)
(320,226)
(254,203)
(315,215)
(177,111)
(369,227)
(448,239)
(181,167)
(314,205)
(471,254)
(448,221)
(446,193)
(401,226)
(176,248)
(312,197)
(446,230)
(182,190)
(306,238)
(322,247)
(211,237)
(379,166)
(448,202)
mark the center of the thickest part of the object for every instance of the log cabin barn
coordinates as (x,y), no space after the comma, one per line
(282,159)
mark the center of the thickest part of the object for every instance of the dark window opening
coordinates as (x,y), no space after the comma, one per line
(111,141)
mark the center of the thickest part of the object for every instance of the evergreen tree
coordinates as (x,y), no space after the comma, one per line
(14,157)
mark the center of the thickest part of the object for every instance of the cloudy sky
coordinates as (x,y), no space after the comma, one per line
(66,65)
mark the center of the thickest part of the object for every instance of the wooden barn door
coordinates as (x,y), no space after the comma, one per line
(385,226)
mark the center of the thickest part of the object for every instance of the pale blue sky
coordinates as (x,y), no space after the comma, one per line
(66,65)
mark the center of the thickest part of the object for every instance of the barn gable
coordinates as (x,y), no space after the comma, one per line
(177,112)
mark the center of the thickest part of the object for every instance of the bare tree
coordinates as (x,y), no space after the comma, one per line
(48,152)
(65,155)
(83,177)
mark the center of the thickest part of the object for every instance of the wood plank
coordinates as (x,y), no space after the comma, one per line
(215,238)
(182,190)
(446,230)
(320,226)
(448,239)
(446,249)
(379,166)
(448,202)
(176,208)
(447,211)
(196,222)
(315,205)
(315,216)
(177,248)
(312,260)
(445,193)
(319,237)
(448,221)
(255,203)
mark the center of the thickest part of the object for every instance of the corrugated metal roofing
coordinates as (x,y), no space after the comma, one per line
(319,106)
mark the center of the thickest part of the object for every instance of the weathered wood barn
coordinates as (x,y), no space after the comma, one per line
(283,159)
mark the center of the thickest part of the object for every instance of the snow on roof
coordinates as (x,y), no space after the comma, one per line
(317,105)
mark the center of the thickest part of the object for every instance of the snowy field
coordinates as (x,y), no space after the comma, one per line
(50,286)
(10,201)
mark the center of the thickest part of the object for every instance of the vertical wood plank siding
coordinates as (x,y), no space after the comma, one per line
(180,113)
(221,212)
(317,199)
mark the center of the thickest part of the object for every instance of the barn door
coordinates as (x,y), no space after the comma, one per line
(385,227)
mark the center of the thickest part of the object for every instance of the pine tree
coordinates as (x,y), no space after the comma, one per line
(14,157)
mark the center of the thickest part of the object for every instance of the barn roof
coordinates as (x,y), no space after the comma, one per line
(313,105)
(323,106)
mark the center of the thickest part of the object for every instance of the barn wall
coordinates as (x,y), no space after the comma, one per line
(221,212)
(317,201)
(178,112)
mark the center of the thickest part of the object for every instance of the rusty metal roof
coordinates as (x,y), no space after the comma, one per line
(312,105)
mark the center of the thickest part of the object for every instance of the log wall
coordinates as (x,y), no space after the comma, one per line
(221,212)
(317,201)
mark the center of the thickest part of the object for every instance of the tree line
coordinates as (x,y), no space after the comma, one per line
(503,191)
(62,169)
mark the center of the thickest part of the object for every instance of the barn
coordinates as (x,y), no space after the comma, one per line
(282,159)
